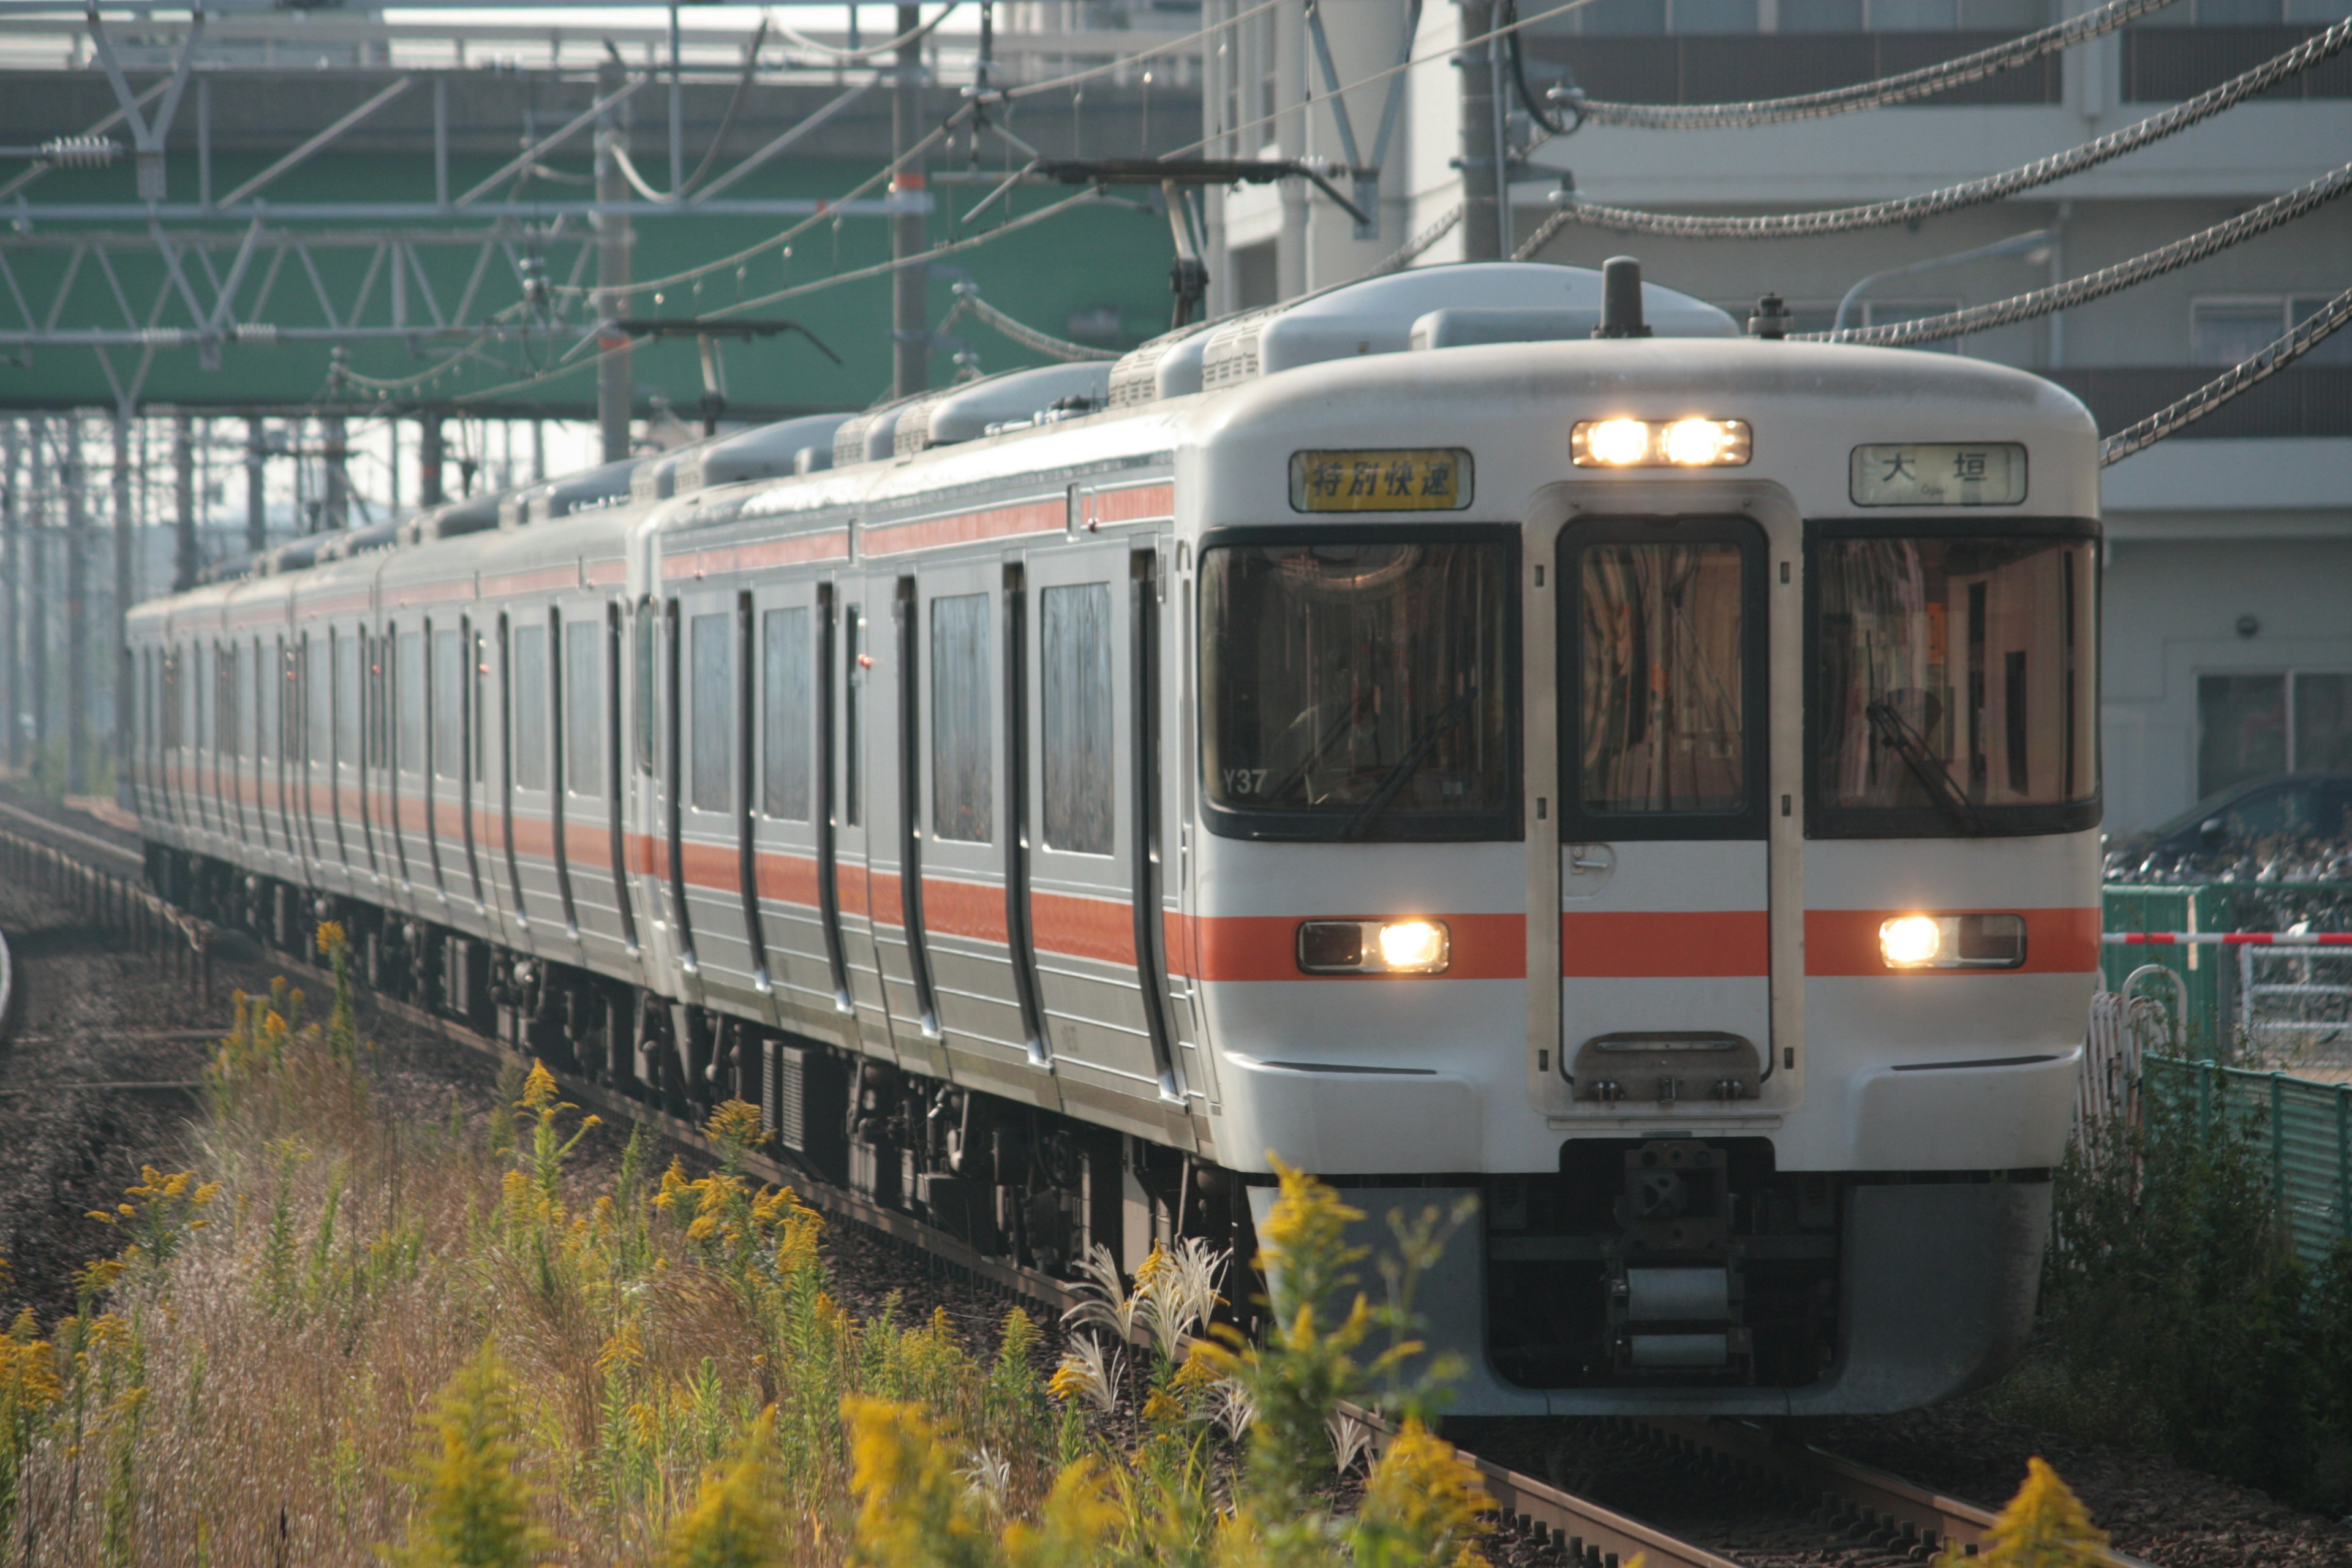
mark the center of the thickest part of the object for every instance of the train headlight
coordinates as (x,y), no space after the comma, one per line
(1374,947)
(1660,443)
(1615,442)
(1952,941)
(1910,941)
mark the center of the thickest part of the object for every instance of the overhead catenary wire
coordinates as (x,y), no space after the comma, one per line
(969,302)
(1950,198)
(2243,376)
(2195,247)
(879,268)
(897,163)
(1901,88)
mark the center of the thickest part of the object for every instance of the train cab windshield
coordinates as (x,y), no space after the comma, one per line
(1359,689)
(1955,688)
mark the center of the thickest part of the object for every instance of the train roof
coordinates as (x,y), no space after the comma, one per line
(1431,334)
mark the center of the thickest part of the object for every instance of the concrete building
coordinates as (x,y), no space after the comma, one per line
(2229,556)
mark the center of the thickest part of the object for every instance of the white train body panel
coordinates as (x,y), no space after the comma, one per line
(882,758)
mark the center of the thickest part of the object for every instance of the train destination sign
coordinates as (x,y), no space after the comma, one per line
(1413,478)
(1932,473)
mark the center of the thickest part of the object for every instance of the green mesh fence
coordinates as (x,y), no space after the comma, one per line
(2308,1130)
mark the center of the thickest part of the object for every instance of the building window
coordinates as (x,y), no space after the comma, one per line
(2226,329)
(2249,726)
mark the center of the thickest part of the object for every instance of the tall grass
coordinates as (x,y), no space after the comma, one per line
(2176,1316)
(360,1336)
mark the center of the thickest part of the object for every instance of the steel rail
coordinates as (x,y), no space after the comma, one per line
(1900,1514)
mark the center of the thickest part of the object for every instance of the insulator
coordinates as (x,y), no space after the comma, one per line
(81,152)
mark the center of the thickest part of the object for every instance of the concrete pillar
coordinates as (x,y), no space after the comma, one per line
(615,384)
(910,326)
(187,555)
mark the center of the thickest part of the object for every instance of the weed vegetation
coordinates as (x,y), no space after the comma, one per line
(2177,1318)
(359,1339)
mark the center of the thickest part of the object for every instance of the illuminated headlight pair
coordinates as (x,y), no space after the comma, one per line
(1659,443)
(1374,947)
(1952,941)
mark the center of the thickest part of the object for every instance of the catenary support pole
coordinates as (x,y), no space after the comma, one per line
(334,440)
(76,475)
(1482,202)
(12,501)
(256,493)
(186,558)
(126,561)
(615,384)
(910,331)
(428,458)
(36,599)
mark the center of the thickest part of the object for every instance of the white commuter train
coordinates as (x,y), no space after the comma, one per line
(1434,730)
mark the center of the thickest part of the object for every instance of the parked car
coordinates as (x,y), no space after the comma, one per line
(2285,806)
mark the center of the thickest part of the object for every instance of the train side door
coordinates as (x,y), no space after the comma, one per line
(799,928)
(862,733)
(1096,652)
(958,770)
(1664,926)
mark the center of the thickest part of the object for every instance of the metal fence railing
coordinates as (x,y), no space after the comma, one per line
(2304,1128)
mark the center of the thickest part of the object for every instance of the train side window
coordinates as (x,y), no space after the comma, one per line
(710,653)
(174,721)
(408,697)
(227,724)
(963,719)
(448,705)
(264,707)
(476,671)
(646,630)
(852,717)
(584,708)
(347,700)
(1074,717)
(786,714)
(529,698)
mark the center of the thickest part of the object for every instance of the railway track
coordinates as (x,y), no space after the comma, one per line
(1860,1515)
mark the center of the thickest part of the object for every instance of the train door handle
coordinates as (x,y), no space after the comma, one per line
(1591,860)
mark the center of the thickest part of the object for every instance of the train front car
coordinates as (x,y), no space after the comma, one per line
(1651,786)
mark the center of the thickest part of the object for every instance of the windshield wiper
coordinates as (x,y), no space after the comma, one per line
(1910,745)
(1404,766)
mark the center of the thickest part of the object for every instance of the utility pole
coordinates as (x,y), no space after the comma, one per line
(125,558)
(428,459)
(615,381)
(12,749)
(256,493)
(76,625)
(186,558)
(910,327)
(1480,161)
